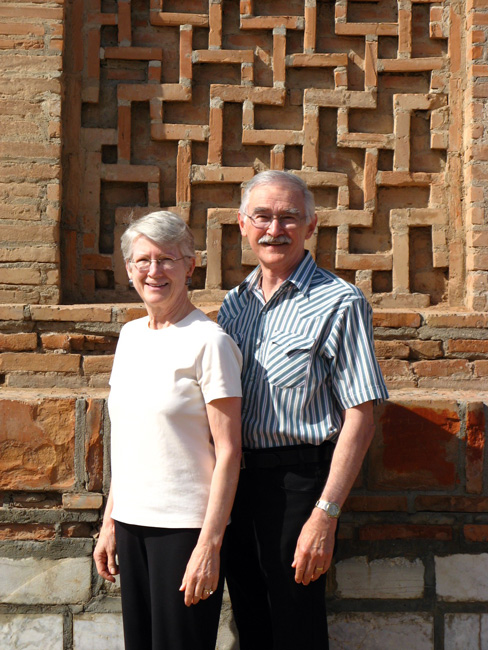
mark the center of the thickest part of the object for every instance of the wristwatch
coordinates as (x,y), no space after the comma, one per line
(332,509)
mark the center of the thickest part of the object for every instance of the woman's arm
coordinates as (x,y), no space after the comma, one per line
(104,553)
(202,571)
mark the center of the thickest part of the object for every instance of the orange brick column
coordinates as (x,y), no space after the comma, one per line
(30,150)
(476,156)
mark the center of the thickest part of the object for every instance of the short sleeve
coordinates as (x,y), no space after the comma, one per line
(219,367)
(355,374)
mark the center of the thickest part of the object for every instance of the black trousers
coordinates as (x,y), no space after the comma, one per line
(272,611)
(152,564)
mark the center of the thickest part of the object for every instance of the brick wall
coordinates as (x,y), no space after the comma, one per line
(380,107)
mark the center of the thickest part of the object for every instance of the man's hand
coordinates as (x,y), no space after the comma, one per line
(315,546)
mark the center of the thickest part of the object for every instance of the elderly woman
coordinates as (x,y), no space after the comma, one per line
(175,415)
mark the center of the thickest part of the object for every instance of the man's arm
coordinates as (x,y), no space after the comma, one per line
(315,545)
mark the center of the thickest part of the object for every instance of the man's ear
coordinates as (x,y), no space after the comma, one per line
(242,224)
(311,226)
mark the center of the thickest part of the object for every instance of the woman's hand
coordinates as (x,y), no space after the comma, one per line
(201,577)
(104,553)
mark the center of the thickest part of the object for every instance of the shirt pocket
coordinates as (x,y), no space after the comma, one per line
(288,360)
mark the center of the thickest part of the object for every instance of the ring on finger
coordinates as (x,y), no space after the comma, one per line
(319,568)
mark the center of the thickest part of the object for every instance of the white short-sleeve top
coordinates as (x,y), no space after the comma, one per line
(161,446)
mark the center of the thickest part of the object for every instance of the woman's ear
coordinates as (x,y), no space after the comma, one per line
(191,267)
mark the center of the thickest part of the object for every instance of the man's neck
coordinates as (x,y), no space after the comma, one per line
(272,280)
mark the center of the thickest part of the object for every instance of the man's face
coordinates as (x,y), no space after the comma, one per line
(277,248)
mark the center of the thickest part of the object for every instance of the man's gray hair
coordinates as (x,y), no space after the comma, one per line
(163,228)
(275,177)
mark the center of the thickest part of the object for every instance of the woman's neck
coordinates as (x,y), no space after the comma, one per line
(158,319)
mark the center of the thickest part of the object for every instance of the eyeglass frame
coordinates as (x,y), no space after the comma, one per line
(159,263)
(292,226)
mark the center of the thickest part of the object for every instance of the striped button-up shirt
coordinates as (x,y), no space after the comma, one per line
(308,355)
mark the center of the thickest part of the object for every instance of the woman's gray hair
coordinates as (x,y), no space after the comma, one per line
(275,177)
(162,228)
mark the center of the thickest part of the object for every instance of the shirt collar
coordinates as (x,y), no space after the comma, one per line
(301,276)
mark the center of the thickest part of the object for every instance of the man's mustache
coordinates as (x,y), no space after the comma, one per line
(269,239)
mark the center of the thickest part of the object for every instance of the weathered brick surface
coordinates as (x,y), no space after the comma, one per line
(411,435)
(37,440)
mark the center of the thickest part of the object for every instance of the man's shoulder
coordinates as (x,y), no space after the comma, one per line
(327,288)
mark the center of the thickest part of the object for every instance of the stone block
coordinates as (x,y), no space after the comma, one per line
(380,631)
(37,440)
(466,631)
(82,501)
(386,578)
(462,578)
(43,581)
(102,631)
(26,631)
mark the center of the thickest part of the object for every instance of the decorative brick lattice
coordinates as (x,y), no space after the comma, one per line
(184,101)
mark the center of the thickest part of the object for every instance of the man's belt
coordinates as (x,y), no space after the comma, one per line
(286,456)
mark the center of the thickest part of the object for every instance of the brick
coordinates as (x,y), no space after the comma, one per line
(394,368)
(451,504)
(19,276)
(26,233)
(389,349)
(76,530)
(94,444)
(29,254)
(83,501)
(481,368)
(17,342)
(395,319)
(470,347)
(37,443)
(476,532)
(25,362)
(126,314)
(425,349)
(362,631)
(57,341)
(38,532)
(372,503)
(475,446)
(427,429)
(11,312)
(470,320)
(73,313)
(462,577)
(442,368)
(387,578)
(18,631)
(30,580)
(98,364)
(378,532)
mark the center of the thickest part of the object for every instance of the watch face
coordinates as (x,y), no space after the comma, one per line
(333,510)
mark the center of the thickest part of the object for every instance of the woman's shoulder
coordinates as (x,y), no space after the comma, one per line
(134,326)
(197,320)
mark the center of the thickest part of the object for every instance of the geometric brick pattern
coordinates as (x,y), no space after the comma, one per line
(183,102)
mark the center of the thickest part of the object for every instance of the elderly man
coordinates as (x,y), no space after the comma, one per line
(310,378)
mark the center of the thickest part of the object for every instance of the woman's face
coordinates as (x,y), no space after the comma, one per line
(162,286)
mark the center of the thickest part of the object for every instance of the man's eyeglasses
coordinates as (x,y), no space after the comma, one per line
(263,220)
(166,263)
